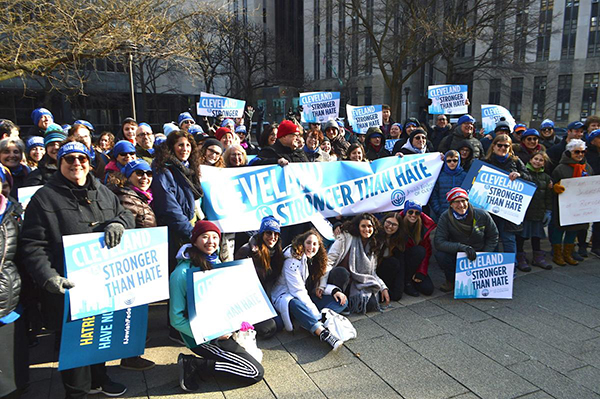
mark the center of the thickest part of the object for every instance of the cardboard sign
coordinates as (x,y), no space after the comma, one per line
(581,200)
(448,99)
(488,276)
(213,105)
(319,106)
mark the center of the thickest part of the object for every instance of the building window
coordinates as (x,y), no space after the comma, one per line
(279,106)
(495,91)
(590,94)
(328,38)
(539,97)
(594,38)
(368,95)
(563,97)
(520,42)
(570,29)
(354,96)
(516,97)
(341,40)
(317,38)
(545,30)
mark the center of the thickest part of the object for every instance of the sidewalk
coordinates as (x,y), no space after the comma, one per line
(544,343)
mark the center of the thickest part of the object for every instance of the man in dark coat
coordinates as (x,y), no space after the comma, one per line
(286,149)
(464,130)
(574,131)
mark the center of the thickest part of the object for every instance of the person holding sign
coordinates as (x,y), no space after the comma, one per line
(572,165)
(72,202)
(452,175)
(307,286)
(529,145)
(462,228)
(222,356)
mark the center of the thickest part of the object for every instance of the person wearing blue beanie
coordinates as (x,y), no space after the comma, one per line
(48,165)
(185,120)
(463,131)
(84,123)
(169,127)
(41,118)
(34,151)
(122,153)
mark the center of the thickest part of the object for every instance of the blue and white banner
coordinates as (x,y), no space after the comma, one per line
(236,199)
(491,114)
(221,299)
(389,145)
(493,191)
(136,272)
(26,193)
(448,99)
(320,106)
(101,338)
(362,118)
(213,105)
(488,276)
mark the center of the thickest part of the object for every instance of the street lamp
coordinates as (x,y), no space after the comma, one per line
(130,48)
(407,92)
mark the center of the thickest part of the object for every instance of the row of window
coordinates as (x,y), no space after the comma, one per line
(540,104)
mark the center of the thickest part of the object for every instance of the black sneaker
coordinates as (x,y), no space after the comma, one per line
(110,388)
(583,251)
(596,251)
(137,363)
(575,255)
(410,289)
(326,336)
(187,373)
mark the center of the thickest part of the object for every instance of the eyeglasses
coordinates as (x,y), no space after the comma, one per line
(451,160)
(547,129)
(144,134)
(71,159)
(578,152)
(502,145)
(271,233)
(391,224)
(531,138)
(413,212)
(142,173)
(213,151)
(124,154)
(420,138)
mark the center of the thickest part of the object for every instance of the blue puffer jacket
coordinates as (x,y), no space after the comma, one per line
(445,183)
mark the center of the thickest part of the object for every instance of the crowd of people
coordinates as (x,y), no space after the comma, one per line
(137,178)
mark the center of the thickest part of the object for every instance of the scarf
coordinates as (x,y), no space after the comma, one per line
(144,194)
(212,258)
(464,226)
(501,159)
(377,148)
(309,151)
(531,151)
(363,281)
(182,168)
(455,171)
(578,169)
(413,149)
(458,216)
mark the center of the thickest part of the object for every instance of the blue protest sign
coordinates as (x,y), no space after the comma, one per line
(491,114)
(362,118)
(488,276)
(319,106)
(213,314)
(101,338)
(236,199)
(389,144)
(136,272)
(448,99)
(213,105)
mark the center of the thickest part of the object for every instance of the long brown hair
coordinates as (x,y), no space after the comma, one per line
(318,265)
(166,153)
(413,231)
(352,227)
(264,258)
(198,258)
(396,240)
(497,139)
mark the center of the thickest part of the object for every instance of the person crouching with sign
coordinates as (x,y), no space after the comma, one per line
(462,229)
(72,202)
(222,356)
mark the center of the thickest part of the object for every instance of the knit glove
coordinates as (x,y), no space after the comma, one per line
(112,234)
(558,188)
(547,218)
(58,285)
(470,251)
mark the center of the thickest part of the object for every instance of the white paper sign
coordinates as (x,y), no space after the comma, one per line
(26,193)
(581,200)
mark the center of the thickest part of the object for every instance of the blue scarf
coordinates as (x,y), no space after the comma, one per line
(454,171)
(502,159)
(458,216)
(212,259)
(309,151)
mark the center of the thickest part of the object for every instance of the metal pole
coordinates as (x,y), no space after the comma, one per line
(131,87)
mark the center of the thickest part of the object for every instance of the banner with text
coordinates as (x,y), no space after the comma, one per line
(488,276)
(448,99)
(491,114)
(362,118)
(213,105)
(236,199)
(320,106)
(580,201)
(219,300)
(493,191)
(101,338)
(135,272)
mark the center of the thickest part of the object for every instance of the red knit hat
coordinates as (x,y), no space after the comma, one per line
(456,193)
(222,131)
(286,127)
(202,226)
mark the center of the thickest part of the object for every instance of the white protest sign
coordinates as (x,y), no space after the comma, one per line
(580,201)
(135,272)
(320,107)
(220,300)
(491,114)
(448,99)
(213,105)
(26,193)
(488,276)
(362,118)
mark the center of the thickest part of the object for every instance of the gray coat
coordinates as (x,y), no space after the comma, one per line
(483,238)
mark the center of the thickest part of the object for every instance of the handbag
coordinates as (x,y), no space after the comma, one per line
(246,338)
(338,325)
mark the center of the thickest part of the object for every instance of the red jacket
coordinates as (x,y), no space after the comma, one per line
(428,225)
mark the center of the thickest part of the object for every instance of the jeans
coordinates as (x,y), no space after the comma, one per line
(508,240)
(305,317)
(557,236)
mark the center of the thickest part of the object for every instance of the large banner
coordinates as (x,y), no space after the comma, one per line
(448,99)
(362,118)
(491,114)
(493,191)
(320,106)
(135,272)
(101,338)
(236,199)
(220,300)
(488,276)
(213,105)
(580,201)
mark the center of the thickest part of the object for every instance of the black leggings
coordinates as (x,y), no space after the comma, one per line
(535,243)
(397,271)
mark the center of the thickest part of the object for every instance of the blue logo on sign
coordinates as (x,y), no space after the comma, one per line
(263,211)
(398,198)
(485,292)
(496,209)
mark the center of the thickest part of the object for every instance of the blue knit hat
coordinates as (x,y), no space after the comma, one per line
(227,122)
(54,128)
(66,127)
(84,123)
(195,129)
(144,124)
(593,135)
(185,116)
(465,118)
(169,127)
(37,114)
(530,132)
(136,164)
(269,223)
(53,134)
(73,147)
(159,140)
(547,123)
(121,147)
(34,141)
(241,129)
(408,205)
(575,125)
(398,124)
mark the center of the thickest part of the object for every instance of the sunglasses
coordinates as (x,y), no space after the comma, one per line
(124,154)
(548,129)
(413,212)
(531,138)
(451,160)
(71,159)
(142,173)
(578,152)
(502,145)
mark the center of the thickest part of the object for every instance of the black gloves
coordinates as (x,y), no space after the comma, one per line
(471,253)
(58,285)
(112,234)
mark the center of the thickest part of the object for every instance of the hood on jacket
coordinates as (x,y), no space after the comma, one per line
(182,253)
(468,144)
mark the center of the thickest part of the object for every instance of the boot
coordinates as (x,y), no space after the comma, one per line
(583,250)
(522,264)
(557,254)
(567,254)
(539,260)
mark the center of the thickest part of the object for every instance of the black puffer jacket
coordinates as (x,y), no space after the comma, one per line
(42,174)
(10,281)
(483,236)
(270,155)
